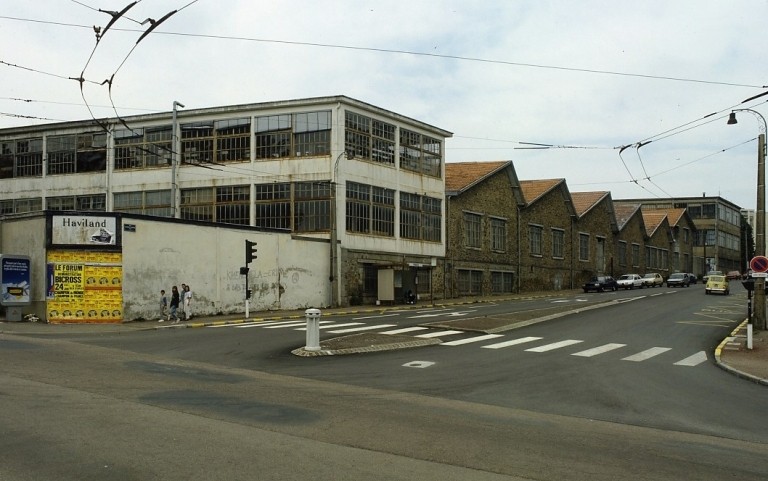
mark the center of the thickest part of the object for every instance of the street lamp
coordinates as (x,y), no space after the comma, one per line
(174,158)
(334,269)
(759,310)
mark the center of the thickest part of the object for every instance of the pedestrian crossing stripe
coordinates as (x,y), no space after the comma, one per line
(598,350)
(647,354)
(513,342)
(554,345)
(471,340)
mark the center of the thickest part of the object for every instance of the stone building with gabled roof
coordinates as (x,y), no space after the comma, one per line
(659,241)
(596,226)
(483,200)
(547,224)
(683,231)
(630,238)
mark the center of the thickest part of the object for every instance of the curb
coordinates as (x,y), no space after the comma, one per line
(741,374)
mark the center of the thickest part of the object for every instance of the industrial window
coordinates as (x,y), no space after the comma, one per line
(96,202)
(370,209)
(470,282)
(233,140)
(502,282)
(534,235)
(420,153)
(153,202)
(558,243)
(636,255)
(226,204)
(498,235)
(369,139)
(18,206)
(472,231)
(129,148)
(622,253)
(420,217)
(85,152)
(293,135)
(197,204)
(158,145)
(432,217)
(583,247)
(313,206)
(197,142)
(21,158)
(273,205)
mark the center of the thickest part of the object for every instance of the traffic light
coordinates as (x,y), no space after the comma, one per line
(250,251)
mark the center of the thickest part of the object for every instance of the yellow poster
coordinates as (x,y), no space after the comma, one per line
(85,286)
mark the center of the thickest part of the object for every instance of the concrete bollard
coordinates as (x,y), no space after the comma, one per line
(313,329)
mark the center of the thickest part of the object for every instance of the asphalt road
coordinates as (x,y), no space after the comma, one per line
(225,403)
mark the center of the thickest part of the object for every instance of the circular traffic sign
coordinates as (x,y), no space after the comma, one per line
(759,264)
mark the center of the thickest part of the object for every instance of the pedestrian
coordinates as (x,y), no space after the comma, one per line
(181,301)
(187,302)
(174,304)
(163,306)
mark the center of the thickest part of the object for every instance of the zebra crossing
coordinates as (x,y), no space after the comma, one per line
(425,332)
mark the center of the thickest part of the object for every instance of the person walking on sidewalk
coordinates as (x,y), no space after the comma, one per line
(175,299)
(163,306)
(187,302)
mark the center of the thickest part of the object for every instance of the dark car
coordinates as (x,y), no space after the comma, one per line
(600,284)
(678,279)
(693,278)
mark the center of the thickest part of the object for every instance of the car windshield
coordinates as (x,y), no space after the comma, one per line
(717,278)
(677,276)
(625,276)
(650,275)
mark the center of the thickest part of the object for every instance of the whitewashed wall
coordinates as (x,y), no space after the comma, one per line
(288,273)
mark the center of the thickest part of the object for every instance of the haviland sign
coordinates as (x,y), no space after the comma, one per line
(83,230)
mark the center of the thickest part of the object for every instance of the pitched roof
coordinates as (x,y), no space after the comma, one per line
(460,176)
(584,201)
(624,212)
(674,215)
(653,218)
(534,189)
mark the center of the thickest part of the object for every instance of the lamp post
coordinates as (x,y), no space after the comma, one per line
(174,158)
(334,254)
(759,307)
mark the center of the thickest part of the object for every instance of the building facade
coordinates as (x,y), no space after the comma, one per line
(366,181)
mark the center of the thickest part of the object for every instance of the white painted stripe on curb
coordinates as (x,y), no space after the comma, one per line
(439,334)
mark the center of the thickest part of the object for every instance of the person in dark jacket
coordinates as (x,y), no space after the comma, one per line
(174,304)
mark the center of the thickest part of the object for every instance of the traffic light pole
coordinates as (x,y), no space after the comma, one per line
(250,255)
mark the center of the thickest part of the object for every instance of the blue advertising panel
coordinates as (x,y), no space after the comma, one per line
(15,280)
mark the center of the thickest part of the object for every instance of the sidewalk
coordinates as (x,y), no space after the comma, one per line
(734,356)
(731,355)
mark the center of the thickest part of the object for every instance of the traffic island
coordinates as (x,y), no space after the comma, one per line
(364,342)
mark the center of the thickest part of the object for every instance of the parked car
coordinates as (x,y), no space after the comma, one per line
(629,281)
(733,275)
(693,278)
(717,284)
(653,279)
(600,284)
(678,279)
(705,278)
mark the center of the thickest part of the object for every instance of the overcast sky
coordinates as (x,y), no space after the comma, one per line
(586,77)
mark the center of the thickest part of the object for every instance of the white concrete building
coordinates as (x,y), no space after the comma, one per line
(366,181)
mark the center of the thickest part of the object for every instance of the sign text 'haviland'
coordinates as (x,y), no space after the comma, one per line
(84,222)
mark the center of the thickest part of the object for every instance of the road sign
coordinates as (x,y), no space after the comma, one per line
(760,274)
(759,264)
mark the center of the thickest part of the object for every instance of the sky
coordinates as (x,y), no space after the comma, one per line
(627,97)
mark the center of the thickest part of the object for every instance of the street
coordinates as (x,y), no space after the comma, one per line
(627,391)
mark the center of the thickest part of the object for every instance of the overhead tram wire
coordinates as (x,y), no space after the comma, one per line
(409,52)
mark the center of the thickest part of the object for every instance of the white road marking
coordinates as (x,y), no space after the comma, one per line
(471,340)
(513,342)
(647,354)
(554,345)
(598,350)
(374,317)
(406,329)
(440,334)
(292,324)
(419,364)
(364,328)
(694,360)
